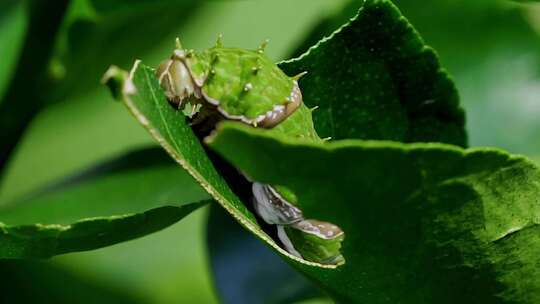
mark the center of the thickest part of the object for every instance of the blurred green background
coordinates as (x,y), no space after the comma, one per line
(490,47)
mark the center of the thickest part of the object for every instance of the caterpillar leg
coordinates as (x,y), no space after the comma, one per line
(272,207)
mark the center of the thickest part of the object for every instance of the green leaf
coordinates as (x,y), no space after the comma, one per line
(142,95)
(384,84)
(137,195)
(177,271)
(424,223)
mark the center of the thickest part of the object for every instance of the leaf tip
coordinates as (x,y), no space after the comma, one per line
(114,79)
(119,81)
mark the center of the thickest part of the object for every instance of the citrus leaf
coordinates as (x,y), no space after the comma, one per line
(424,223)
(374,78)
(118,201)
(43,241)
(142,95)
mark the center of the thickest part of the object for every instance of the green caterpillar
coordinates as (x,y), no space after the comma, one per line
(245,85)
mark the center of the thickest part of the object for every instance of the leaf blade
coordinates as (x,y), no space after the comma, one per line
(423,222)
(111,203)
(44,241)
(386,84)
(141,93)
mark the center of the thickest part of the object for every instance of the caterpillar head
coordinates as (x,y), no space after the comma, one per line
(175,78)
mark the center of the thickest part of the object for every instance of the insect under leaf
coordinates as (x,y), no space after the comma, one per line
(245,85)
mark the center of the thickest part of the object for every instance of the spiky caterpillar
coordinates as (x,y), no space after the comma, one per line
(246,86)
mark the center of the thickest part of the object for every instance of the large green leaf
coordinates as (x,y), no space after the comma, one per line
(424,223)
(493,56)
(143,96)
(118,201)
(384,84)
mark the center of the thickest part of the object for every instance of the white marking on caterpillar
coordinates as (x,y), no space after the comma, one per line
(272,208)
(320,229)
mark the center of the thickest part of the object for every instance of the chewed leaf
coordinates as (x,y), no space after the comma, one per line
(140,91)
(424,223)
(374,78)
